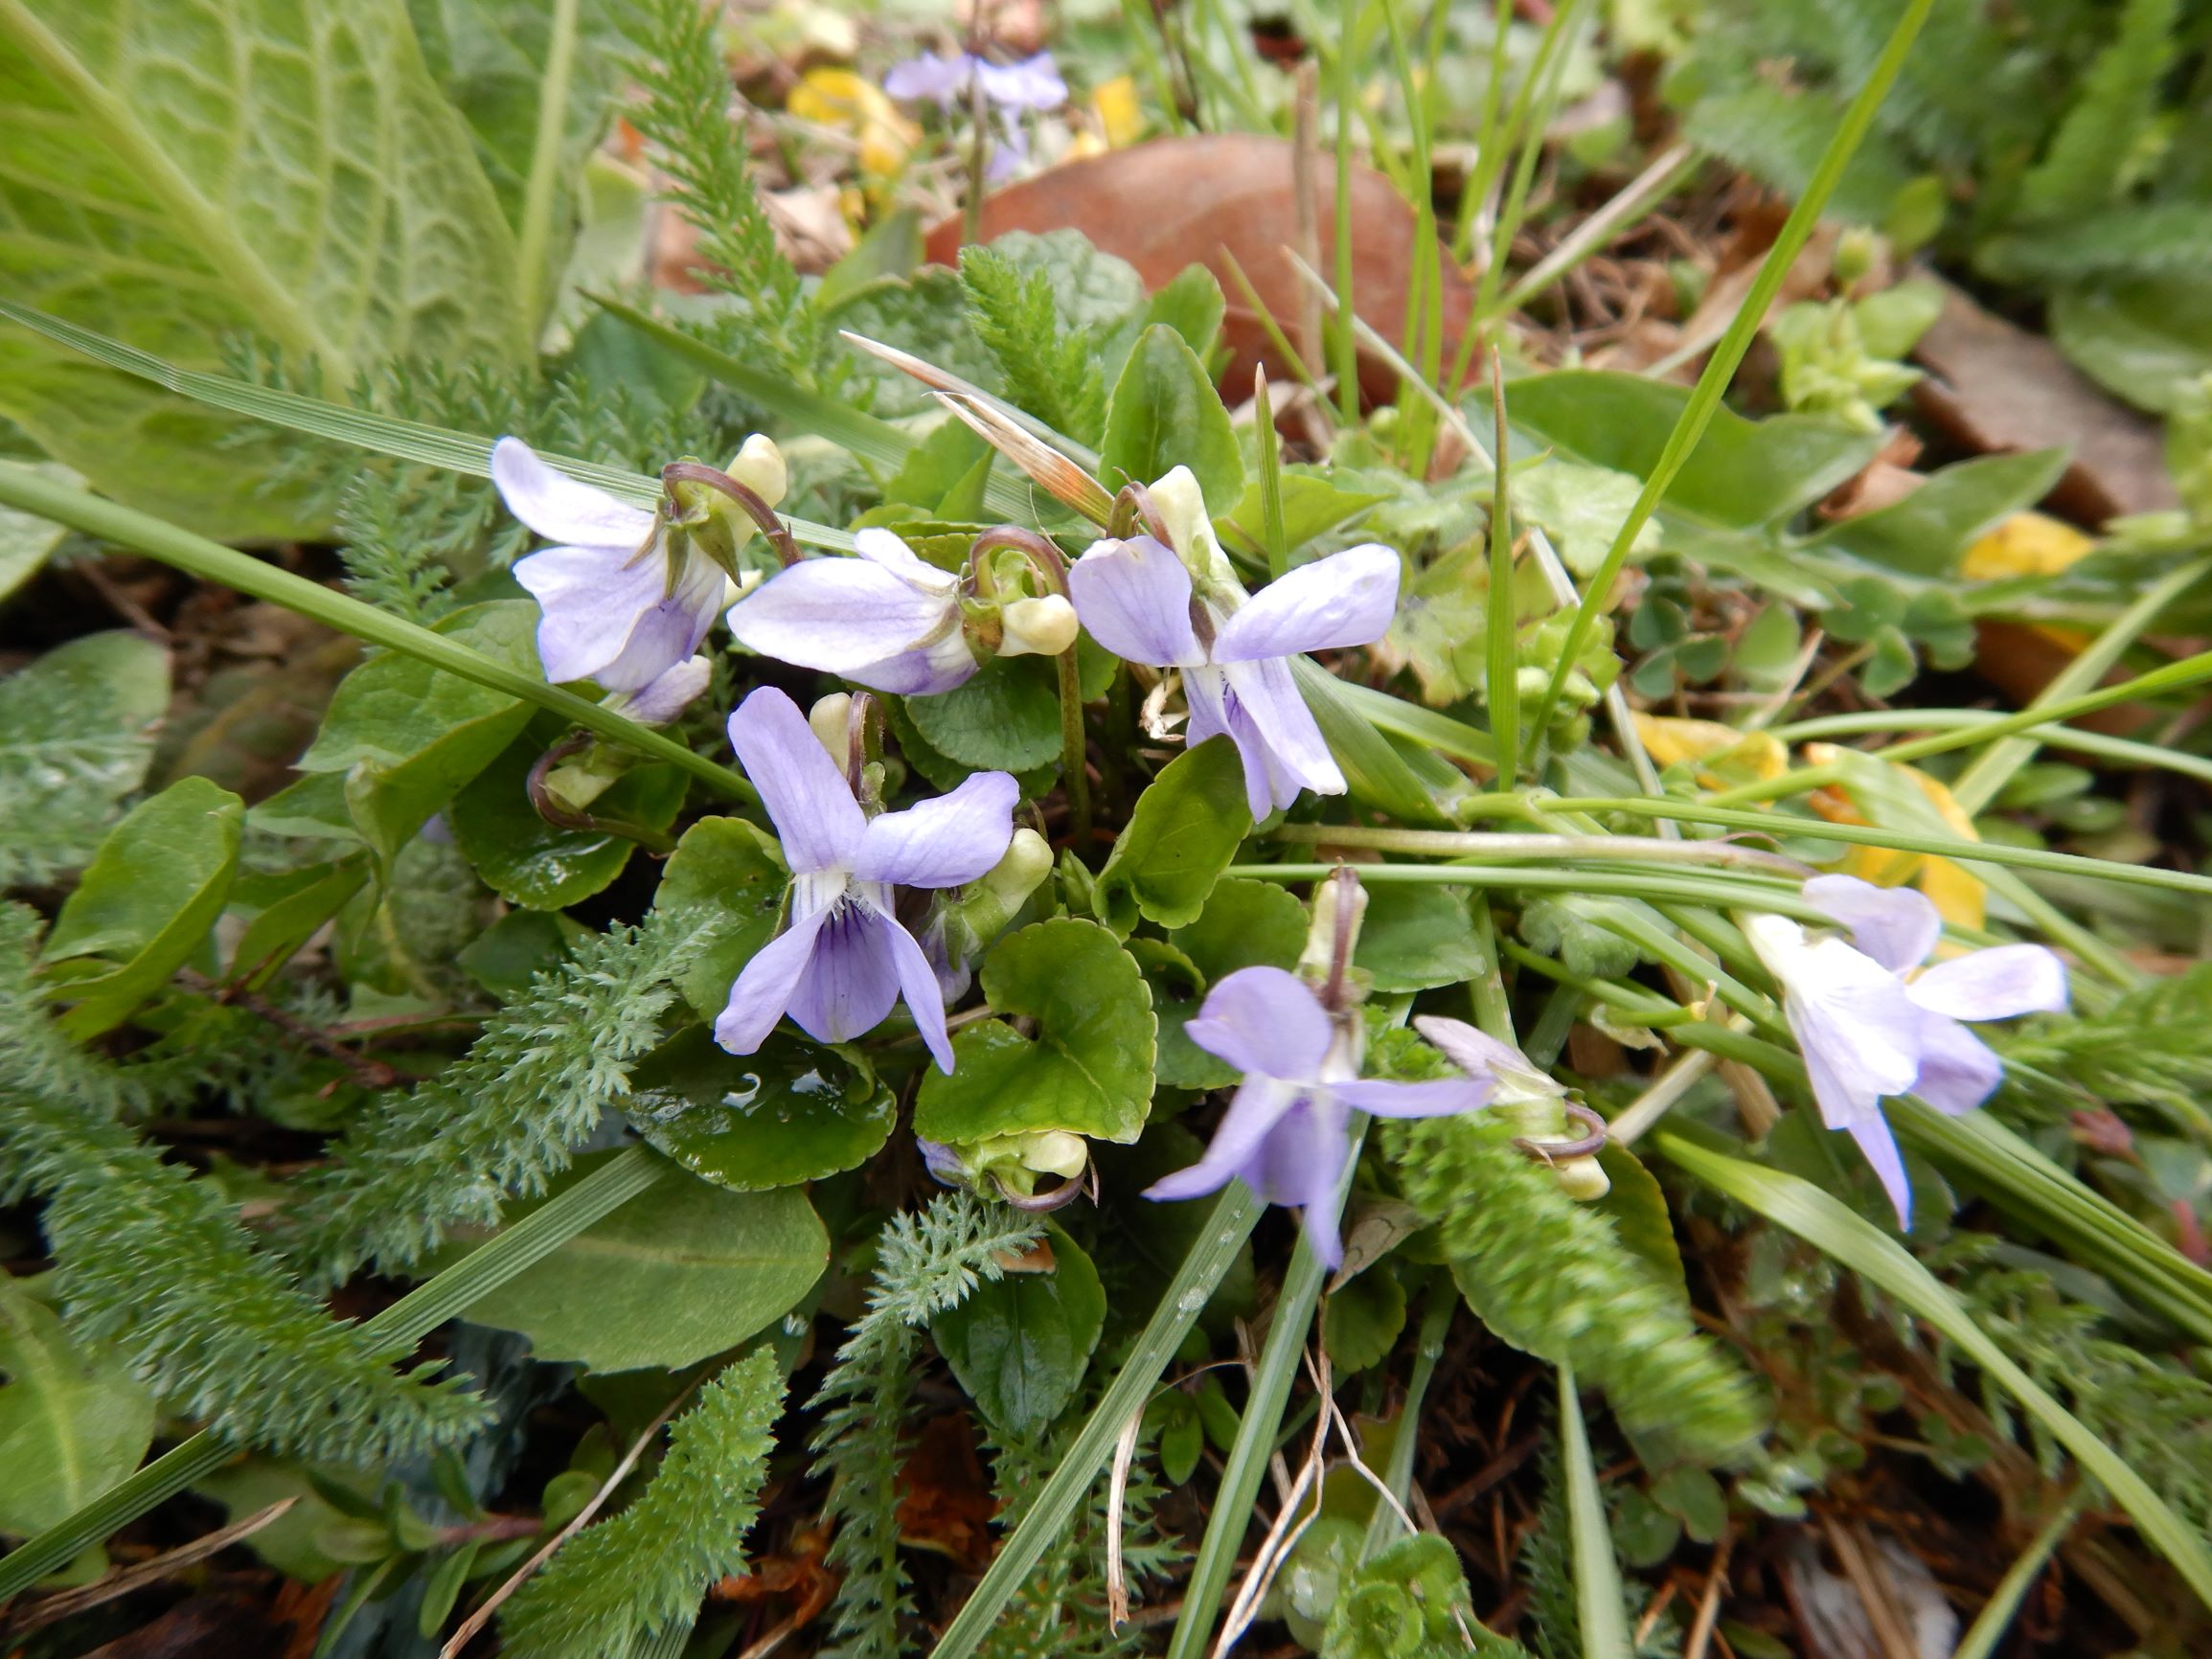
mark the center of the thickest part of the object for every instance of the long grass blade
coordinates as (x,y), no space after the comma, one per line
(1833,1228)
(1605,1626)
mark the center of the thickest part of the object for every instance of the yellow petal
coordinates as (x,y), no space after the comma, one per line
(838,98)
(2025,544)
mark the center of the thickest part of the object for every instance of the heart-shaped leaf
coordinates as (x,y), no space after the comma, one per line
(793,1112)
(1019,1345)
(1087,1069)
(732,872)
(1185,831)
(540,866)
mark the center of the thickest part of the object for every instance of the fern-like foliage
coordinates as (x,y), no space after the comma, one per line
(1547,1574)
(504,1118)
(686,115)
(35,1058)
(625,1580)
(1062,1609)
(1554,1277)
(1051,371)
(2169,239)
(927,1264)
(153,1260)
(2153,1412)
(2085,167)
(2153,1047)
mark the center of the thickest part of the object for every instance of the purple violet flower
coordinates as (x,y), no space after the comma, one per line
(1286,1132)
(1137,599)
(1870,1026)
(950,78)
(888,618)
(843,958)
(612,612)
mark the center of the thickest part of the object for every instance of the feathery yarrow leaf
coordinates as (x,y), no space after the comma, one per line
(506,1118)
(927,1264)
(151,1259)
(633,1577)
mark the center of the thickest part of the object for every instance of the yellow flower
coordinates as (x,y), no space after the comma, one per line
(839,99)
(1734,757)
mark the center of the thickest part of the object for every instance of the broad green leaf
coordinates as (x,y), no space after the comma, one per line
(793,1112)
(2145,340)
(925,315)
(1743,474)
(181,173)
(530,862)
(1019,1345)
(1183,833)
(281,912)
(1191,305)
(1090,288)
(72,1421)
(1006,718)
(731,874)
(1926,534)
(681,1271)
(1415,938)
(1830,1226)
(1362,1319)
(147,902)
(1582,508)
(1311,507)
(26,540)
(1164,414)
(75,737)
(506,67)
(408,735)
(1245,924)
(1087,1069)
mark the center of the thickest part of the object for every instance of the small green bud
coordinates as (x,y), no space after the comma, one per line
(1854,254)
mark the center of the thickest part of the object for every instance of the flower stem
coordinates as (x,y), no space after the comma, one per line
(1254,1442)
(1051,567)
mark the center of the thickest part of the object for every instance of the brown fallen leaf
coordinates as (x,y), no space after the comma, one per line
(944,1501)
(1178,201)
(1992,386)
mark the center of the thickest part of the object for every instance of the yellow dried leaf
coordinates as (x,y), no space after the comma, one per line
(839,99)
(1727,757)
(1115,105)
(2025,544)
(1957,894)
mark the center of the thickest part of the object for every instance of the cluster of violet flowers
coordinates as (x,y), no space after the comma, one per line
(628,595)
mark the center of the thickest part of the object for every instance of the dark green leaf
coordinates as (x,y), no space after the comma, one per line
(146,904)
(72,1421)
(1927,532)
(534,864)
(1311,505)
(1087,1069)
(795,1111)
(284,911)
(683,1270)
(1361,1320)
(75,738)
(733,872)
(1006,718)
(1164,414)
(1415,938)
(1019,1345)
(1185,832)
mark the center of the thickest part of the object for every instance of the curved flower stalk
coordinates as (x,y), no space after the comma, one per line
(627,595)
(843,960)
(888,620)
(1287,1130)
(1138,598)
(1872,1023)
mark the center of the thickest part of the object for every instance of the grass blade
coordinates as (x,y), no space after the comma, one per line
(1598,1610)
(1831,1227)
(1721,366)
(24,487)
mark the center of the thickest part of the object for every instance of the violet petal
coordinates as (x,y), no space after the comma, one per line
(1347,598)
(944,842)
(805,791)
(1135,597)
(1897,926)
(1262,1020)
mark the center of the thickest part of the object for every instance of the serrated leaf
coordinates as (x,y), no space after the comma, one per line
(794,1111)
(180,172)
(1164,414)
(75,738)
(731,874)
(72,1421)
(1088,1068)
(683,1270)
(1183,833)
(1019,1345)
(147,902)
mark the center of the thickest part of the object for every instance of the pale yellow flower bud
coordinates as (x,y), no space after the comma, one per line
(759,465)
(1036,627)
